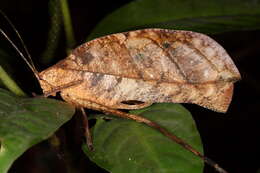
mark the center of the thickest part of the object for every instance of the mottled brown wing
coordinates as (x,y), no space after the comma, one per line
(151,65)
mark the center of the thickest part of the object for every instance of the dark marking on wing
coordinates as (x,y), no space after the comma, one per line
(96,77)
(86,58)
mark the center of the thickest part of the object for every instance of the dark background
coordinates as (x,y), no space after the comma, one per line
(231,139)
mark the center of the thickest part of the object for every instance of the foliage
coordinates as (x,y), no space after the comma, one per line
(123,144)
(27,121)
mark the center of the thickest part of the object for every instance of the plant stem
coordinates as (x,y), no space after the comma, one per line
(10,83)
(67,24)
(54,31)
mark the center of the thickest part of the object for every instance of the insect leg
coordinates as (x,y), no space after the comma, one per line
(166,133)
(87,133)
(95,106)
(156,126)
(54,89)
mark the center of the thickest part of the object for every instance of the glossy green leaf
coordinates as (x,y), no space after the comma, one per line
(214,16)
(25,122)
(126,146)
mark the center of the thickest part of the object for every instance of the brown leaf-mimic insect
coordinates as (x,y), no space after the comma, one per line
(150,65)
(134,69)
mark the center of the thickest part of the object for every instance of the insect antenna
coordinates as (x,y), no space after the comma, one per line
(27,60)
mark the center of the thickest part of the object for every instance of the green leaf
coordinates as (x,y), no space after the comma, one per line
(214,16)
(121,145)
(25,122)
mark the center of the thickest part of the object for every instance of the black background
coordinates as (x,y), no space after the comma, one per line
(231,139)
